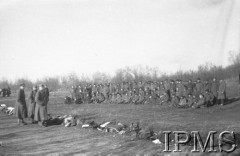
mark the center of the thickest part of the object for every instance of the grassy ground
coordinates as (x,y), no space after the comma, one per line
(56,139)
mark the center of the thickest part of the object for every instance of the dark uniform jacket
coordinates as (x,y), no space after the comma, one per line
(31,104)
(40,110)
(20,106)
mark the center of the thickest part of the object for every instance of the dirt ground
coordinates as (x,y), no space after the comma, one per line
(58,140)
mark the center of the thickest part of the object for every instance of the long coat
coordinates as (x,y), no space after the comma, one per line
(31,104)
(40,110)
(20,106)
(214,88)
(46,97)
(199,88)
(222,90)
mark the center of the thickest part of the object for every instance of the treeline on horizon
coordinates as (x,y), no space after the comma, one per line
(137,73)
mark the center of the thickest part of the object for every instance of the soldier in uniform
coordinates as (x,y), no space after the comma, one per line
(129,97)
(164,98)
(167,86)
(147,98)
(113,98)
(199,87)
(175,101)
(200,103)
(119,98)
(20,106)
(40,110)
(46,96)
(135,98)
(85,95)
(73,92)
(214,90)
(185,91)
(162,87)
(195,100)
(222,91)
(106,92)
(125,98)
(94,90)
(190,87)
(94,99)
(32,103)
(141,99)
(183,102)
(100,97)
(190,100)
(209,97)
(207,86)
(179,88)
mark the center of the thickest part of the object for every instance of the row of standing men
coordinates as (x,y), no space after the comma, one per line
(176,93)
(36,109)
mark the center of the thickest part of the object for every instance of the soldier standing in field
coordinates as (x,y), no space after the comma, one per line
(190,87)
(20,106)
(46,96)
(94,90)
(214,90)
(180,89)
(222,92)
(106,91)
(32,103)
(73,93)
(40,110)
(199,87)
(167,87)
(172,88)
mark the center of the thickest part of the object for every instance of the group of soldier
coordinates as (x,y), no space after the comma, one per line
(37,105)
(169,92)
(5,91)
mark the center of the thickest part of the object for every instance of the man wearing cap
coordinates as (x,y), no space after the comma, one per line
(32,103)
(214,90)
(40,110)
(46,96)
(20,106)
(199,87)
(190,87)
(222,91)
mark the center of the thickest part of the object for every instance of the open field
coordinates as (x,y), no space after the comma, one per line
(55,139)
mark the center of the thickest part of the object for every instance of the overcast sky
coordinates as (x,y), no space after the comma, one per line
(54,37)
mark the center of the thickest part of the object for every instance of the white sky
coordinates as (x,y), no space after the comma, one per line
(53,37)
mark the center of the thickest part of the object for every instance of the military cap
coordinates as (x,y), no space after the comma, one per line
(22,85)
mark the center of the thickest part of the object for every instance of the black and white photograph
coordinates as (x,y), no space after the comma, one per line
(120,77)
